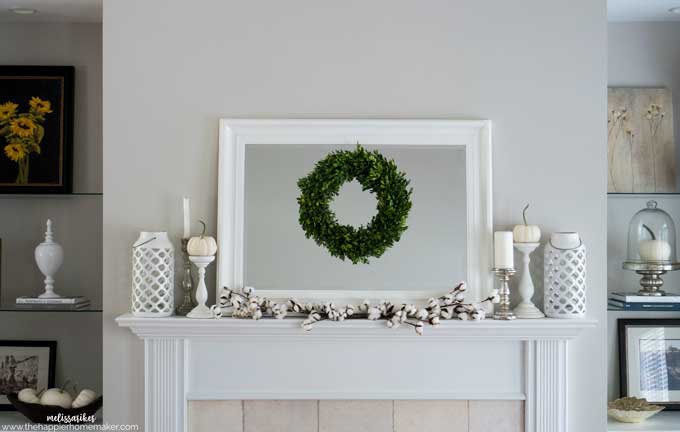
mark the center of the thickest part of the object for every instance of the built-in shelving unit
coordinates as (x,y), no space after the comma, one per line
(668,421)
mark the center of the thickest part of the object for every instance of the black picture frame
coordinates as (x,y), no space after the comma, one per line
(52,347)
(623,324)
(48,79)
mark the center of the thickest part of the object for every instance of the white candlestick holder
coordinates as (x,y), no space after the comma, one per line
(201,311)
(526,309)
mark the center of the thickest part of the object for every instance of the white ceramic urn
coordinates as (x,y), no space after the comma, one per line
(49,256)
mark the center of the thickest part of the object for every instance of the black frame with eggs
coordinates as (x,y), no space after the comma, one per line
(51,354)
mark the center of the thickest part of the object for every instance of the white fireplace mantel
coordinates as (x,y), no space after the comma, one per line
(357,359)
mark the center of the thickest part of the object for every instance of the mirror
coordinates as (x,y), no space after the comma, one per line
(448,234)
(429,256)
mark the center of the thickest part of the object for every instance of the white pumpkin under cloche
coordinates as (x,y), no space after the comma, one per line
(202,245)
(84,398)
(29,395)
(654,249)
(526,233)
(57,397)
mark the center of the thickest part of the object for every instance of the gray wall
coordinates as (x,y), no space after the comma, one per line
(640,55)
(173,70)
(78,219)
(279,256)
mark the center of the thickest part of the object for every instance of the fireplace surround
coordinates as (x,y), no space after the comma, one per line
(231,359)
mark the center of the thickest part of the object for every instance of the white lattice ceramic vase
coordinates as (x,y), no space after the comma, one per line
(153,275)
(564,277)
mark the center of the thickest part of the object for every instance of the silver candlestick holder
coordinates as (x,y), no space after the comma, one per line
(503,310)
(188,302)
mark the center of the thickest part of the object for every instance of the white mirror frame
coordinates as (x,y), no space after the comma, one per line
(236,134)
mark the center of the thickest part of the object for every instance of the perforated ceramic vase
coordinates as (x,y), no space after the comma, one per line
(153,275)
(564,277)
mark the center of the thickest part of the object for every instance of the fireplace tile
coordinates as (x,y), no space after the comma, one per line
(356,416)
(281,416)
(215,416)
(430,415)
(497,416)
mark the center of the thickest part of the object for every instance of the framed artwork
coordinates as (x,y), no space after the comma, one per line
(640,146)
(36,129)
(25,364)
(649,360)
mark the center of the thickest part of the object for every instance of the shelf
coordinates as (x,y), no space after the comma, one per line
(642,311)
(12,307)
(19,423)
(642,195)
(520,329)
(668,421)
(44,195)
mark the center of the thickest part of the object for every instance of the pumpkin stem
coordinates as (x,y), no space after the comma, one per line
(524,214)
(649,230)
(203,231)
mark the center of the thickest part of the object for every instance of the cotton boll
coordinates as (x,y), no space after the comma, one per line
(248,290)
(216,311)
(419,328)
(463,316)
(422,314)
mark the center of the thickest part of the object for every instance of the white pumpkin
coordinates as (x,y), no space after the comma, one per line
(57,397)
(203,245)
(655,250)
(84,398)
(29,395)
(526,233)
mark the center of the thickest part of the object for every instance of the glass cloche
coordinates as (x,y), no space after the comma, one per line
(651,236)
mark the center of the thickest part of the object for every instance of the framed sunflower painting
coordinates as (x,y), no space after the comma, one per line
(36,129)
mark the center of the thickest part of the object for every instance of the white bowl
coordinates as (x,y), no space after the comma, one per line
(631,416)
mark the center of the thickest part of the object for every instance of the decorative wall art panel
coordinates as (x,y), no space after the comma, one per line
(641,147)
(36,127)
(25,364)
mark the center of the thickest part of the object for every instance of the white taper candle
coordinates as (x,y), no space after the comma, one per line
(502,248)
(187,218)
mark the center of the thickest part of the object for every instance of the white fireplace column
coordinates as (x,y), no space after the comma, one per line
(232,359)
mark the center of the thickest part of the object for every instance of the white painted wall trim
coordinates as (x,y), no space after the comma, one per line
(474,135)
(275,359)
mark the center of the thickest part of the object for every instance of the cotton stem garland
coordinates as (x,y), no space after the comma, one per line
(246,304)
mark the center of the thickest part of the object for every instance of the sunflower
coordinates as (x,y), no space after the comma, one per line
(15,151)
(7,110)
(40,106)
(22,127)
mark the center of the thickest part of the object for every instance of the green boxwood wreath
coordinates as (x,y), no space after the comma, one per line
(374,173)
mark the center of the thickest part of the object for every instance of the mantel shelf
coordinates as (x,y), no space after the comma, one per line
(181,327)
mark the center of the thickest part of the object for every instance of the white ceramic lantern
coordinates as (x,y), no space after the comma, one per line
(564,276)
(153,275)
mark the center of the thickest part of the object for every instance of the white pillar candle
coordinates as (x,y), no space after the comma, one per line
(187,218)
(503,255)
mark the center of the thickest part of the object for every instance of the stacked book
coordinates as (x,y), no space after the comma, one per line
(69,303)
(635,302)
